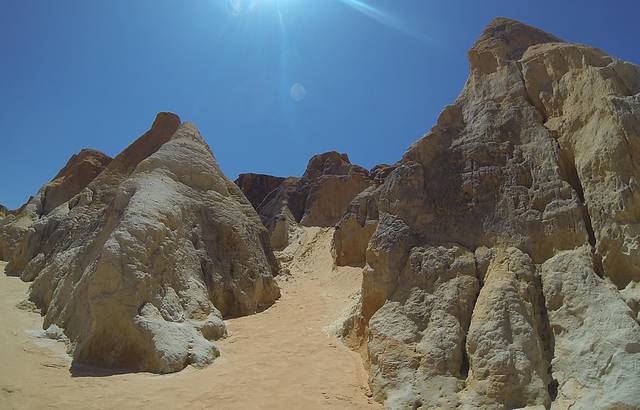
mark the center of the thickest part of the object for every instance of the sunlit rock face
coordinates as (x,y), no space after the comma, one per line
(507,238)
(319,198)
(52,198)
(149,257)
(357,225)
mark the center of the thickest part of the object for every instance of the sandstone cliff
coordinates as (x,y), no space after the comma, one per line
(319,198)
(146,259)
(504,266)
(79,171)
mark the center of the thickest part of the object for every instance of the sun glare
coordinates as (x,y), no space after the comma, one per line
(296,89)
(239,7)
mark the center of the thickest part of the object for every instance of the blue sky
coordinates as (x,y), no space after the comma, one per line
(268,82)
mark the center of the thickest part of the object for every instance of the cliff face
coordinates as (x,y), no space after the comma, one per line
(497,229)
(318,198)
(148,257)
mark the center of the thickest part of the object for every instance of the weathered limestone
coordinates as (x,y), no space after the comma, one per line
(501,254)
(357,225)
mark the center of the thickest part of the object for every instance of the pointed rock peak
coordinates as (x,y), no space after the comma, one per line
(505,40)
(88,152)
(164,127)
(87,157)
(165,120)
(77,173)
(331,163)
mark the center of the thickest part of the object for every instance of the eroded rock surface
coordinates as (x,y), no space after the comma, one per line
(319,198)
(597,340)
(79,171)
(146,260)
(357,225)
(416,339)
(355,228)
(508,359)
(506,235)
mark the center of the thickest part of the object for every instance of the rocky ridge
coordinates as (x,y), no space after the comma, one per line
(141,265)
(79,171)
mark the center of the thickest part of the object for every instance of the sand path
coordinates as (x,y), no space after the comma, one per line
(281,358)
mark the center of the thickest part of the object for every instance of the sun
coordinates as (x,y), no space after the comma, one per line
(240,7)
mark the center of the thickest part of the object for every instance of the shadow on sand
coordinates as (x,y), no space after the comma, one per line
(85,370)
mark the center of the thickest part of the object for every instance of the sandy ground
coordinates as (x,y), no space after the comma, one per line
(281,358)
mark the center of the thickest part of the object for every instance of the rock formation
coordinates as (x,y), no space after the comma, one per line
(355,228)
(141,265)
(503,271)
(79,171)
(501,253)
(319,198)
(257,186)
(3,211)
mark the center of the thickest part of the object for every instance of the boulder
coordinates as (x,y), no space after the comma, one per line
(150,256)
